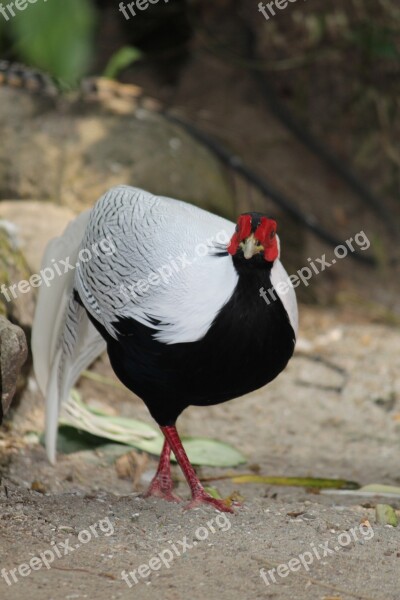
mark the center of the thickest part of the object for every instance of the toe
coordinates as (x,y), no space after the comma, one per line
(155,491)
(206,499)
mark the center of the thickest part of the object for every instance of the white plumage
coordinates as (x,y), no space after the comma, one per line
(151,232)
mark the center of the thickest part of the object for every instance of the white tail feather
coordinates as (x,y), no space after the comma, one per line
(64,341)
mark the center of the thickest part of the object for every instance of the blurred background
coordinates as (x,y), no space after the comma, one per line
(308,99)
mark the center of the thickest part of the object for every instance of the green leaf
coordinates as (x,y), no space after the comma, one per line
(375,41)
(307,482)
(121,60)
(379,488)
(371,490)
(212,453)
(56,36)
(71,440)
(213,492)
(386,515)
(201,451)
(96,422)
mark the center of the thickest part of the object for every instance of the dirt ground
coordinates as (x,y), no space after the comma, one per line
(314,420)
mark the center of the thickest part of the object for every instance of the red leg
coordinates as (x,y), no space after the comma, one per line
(161,485)
(199,495)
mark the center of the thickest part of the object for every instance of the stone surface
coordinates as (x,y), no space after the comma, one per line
(35,224)
(15,304)
(72,154)
(13,354)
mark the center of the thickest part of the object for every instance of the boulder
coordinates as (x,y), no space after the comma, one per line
(13,354)
(17,298)
(70,153)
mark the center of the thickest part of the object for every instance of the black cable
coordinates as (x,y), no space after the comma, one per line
(9,70)
(237,165)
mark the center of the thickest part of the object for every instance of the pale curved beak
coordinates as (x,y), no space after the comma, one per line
(251,246)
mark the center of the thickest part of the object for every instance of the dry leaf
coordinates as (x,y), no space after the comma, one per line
(131,466)
(38,486)
(234,499)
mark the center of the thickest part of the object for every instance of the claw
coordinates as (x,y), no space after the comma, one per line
(201,497)
(156,490)
(162,484)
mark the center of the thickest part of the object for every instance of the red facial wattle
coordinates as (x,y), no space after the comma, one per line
(243,231)
(265,234)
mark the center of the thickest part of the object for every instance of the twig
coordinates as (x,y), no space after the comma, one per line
(106,575)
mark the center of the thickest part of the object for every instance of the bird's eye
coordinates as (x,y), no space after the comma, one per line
(272,235)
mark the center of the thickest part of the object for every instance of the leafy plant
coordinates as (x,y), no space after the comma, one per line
(100,428)
(375,41)
(122,59)
(55,36)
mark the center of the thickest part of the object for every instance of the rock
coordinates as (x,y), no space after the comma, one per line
(13,354)
(33,232)
(72,154)
(17,306)
(17,298)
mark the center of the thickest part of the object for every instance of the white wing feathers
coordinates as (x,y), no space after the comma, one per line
(64,342)
(142,234)
(288,297)
(150,276)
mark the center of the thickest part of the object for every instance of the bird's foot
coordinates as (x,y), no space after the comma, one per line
(161,489)
(201,497)
(161,484)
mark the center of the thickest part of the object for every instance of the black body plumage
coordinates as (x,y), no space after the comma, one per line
(248,344)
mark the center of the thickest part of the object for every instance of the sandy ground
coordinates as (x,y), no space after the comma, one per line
(314,420)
